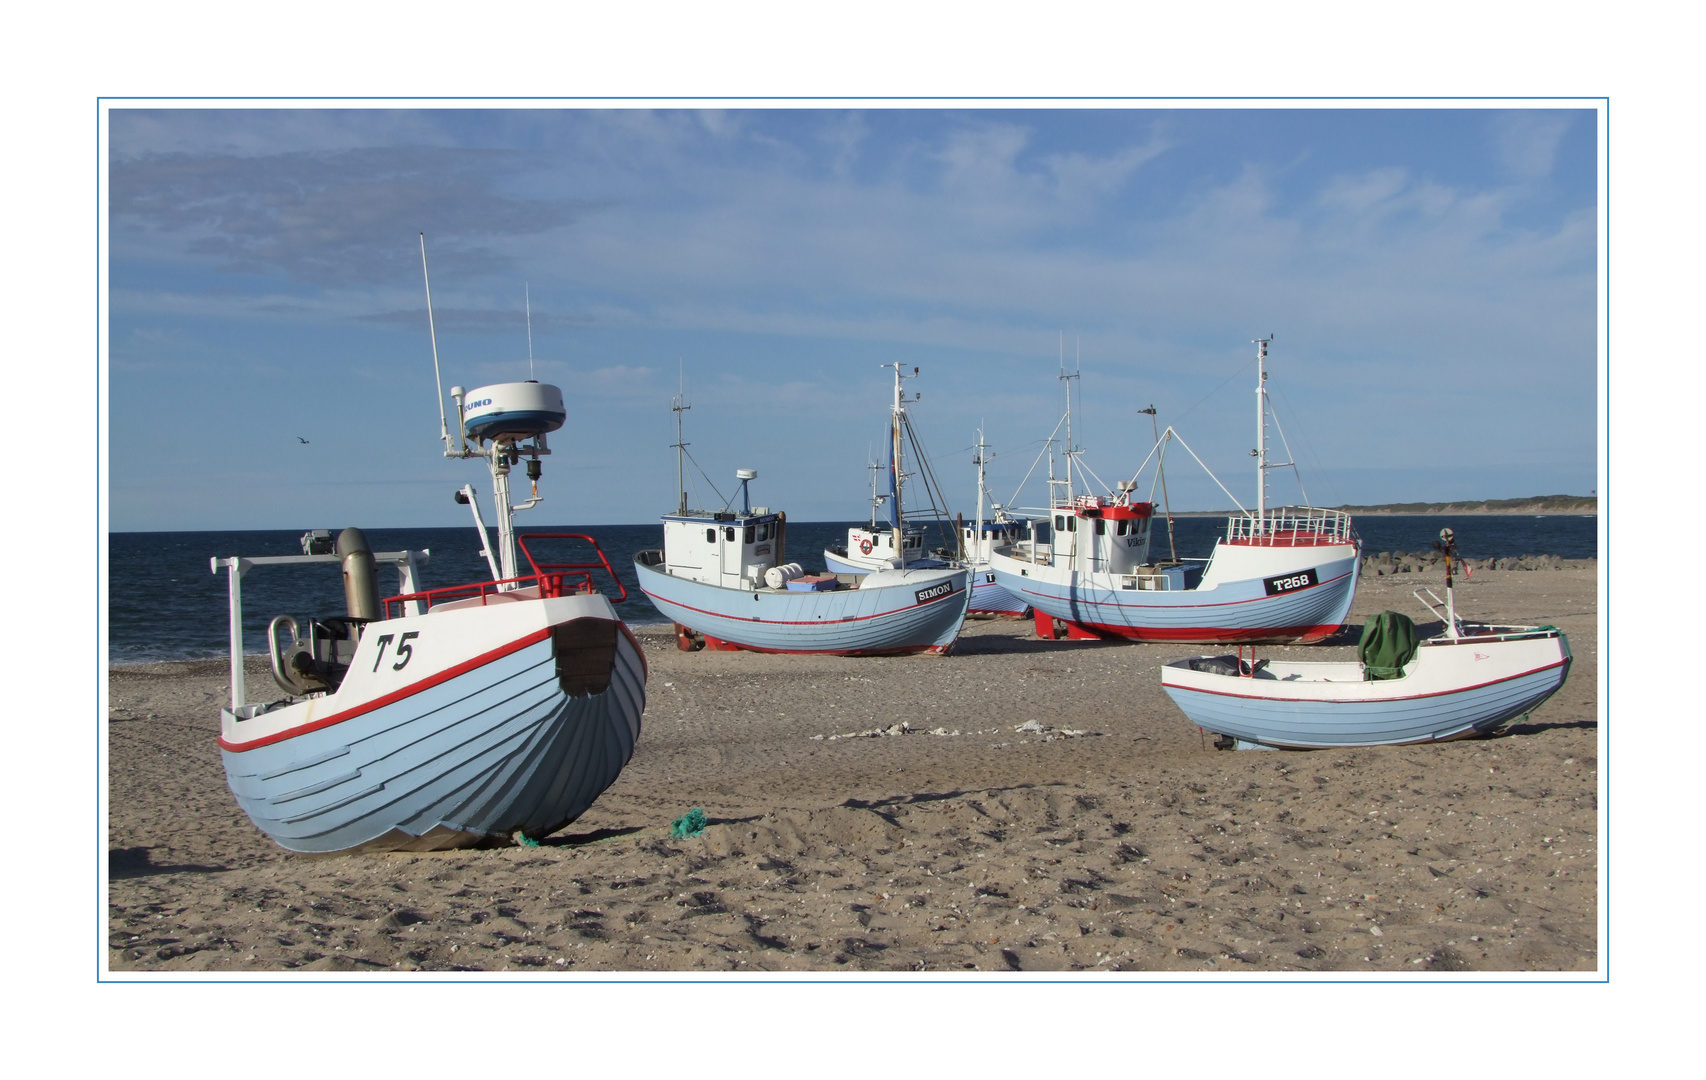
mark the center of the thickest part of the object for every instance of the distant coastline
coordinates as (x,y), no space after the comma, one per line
(1539,505)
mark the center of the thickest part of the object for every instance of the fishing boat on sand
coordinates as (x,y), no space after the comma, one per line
(1466,681)
(493,712)
(722,577)
(1280,574)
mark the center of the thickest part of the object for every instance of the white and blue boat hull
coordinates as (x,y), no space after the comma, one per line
(989,598)
(1453,689)
(1232,611)
(892,612)
(522,737)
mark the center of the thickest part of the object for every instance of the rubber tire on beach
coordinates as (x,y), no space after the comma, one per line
(686,640)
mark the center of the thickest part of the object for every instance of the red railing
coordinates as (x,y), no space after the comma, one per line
(476,590)
(580,572)
(551,579)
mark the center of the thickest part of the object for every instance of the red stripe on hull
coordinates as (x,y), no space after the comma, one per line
(1564,663)
(717,644)
(425,684)
(1206,635)
(655,598)
(394,696)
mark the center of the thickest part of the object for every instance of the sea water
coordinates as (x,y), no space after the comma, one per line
(165,603)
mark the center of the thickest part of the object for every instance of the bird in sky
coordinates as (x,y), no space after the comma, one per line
(301,440)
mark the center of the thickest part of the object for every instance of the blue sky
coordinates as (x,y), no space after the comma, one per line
(1429,275)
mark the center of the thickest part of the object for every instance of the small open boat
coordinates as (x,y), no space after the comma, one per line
(1468,680)
(486,713)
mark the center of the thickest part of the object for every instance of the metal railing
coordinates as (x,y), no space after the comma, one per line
(582,572)
(1291,526)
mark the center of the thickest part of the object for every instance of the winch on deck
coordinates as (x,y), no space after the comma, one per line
(317,662)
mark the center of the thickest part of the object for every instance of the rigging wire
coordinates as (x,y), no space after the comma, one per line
(1048,447)
(708,480)
(1216,390)
(931,487)
(1314,458)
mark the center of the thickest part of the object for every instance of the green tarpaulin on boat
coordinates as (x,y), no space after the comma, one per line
(1388,643)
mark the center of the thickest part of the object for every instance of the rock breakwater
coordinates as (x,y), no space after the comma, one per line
(1387,563)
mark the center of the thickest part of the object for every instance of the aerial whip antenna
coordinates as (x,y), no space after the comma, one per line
(443,427)
(527,299)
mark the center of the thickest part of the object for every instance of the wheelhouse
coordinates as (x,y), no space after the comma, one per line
(724,548)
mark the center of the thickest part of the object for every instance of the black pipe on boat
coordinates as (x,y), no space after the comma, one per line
(361,576)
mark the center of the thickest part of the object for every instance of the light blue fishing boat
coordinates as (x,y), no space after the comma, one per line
(723,578)
(487,713)
(1280,574)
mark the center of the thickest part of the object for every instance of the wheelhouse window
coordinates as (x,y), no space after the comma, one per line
(1120,529)
(750,531)
(1101,526)
(1060,522)
(729,533)
(711,536)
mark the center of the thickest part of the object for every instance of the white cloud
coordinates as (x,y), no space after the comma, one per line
(1526,142)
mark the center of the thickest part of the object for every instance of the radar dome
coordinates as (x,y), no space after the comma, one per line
(518,410)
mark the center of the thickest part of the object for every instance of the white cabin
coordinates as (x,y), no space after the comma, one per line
(1093,536)
(724,548)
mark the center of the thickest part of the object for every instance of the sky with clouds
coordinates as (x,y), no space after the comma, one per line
(1429,275)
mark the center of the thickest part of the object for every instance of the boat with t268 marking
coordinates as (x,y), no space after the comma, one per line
(1280,574)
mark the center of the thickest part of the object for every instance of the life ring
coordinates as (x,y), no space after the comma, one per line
(865,546)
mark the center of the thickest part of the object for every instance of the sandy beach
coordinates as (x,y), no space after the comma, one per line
(888,815)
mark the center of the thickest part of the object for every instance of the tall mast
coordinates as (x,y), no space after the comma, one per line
(678,406)
(1261,451)
(871,464)
(1071,450)
(896,422)
(977,537)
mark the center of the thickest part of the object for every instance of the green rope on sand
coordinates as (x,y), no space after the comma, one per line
(691,823)
(523,840)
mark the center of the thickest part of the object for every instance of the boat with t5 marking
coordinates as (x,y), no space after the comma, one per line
(494,712)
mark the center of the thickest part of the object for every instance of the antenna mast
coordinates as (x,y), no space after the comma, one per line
(1071,451)
(896,439)
(977,537)
(679,406)
(1261,451)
